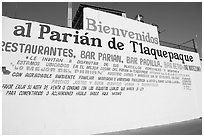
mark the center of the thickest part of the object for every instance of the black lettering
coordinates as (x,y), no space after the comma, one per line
(43,29)
(19,31)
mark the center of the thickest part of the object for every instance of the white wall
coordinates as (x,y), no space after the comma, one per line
(47,114)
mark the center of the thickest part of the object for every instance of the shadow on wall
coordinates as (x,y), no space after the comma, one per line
(191,127)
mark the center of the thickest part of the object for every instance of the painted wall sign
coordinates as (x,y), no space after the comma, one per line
(118,26)
(58,80)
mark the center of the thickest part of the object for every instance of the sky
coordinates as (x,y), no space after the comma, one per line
(179,21)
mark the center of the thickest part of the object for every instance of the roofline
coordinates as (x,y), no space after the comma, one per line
(91,6)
